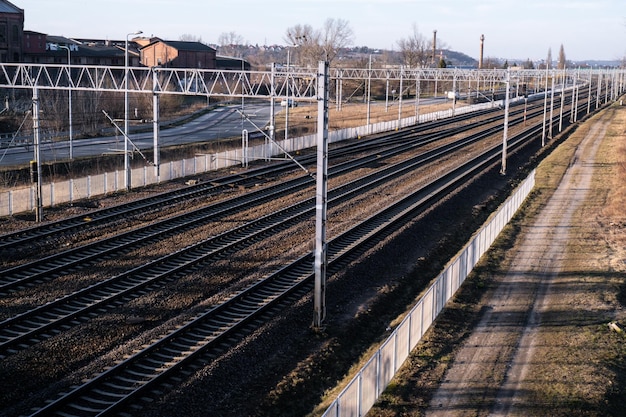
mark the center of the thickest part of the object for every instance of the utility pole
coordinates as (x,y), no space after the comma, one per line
(589,93)
(434,46)
(482,50)
(505,133)
(37,162)
(69,90)
(562,102)
(272,115)
(550,127)
(321,178)
(400,98)
(127,168)
(369,94)
(156,125)
(545,110)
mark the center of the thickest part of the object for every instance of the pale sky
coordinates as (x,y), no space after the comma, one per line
(513,29)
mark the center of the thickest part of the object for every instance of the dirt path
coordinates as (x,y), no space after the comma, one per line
(490,373)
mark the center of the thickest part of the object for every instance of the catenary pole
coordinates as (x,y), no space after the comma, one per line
(505,133)
(321,196)
(156,125)
(550,126)
(272,124)
(37,151)
(545,109)
(562,102)
(590,91)
(69,98)
(127,179)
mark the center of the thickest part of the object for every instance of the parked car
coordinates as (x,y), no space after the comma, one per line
(453,95)
(291,102)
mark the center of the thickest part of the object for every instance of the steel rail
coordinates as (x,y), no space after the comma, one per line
(42,268)
(385,222)
(54,265)
(113,390)
(41,233)
(23,330)
(110,214)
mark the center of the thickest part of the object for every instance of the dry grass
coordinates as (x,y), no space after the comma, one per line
(617,154)
(303,119)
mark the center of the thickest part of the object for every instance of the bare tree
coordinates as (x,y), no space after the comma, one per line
(230,43)
(549,59)
(315,45)
(229,38)
(415,50)
(299,35)
(562,63)
(336,35)
(187,37)
(303,40)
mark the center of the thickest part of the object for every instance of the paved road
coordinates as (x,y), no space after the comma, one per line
(219,123)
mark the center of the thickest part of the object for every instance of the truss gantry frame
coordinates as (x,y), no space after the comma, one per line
(294,82)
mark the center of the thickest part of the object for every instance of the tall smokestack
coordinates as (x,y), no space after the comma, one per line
(434,45)
(482,50)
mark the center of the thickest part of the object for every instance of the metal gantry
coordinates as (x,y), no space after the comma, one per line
(296,82)
(290,83)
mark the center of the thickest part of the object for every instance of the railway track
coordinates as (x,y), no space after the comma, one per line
(50,232)
(28,326)
(23,330)
(146,205)
(113,390)
(52,266)
(55,265)
(106,394)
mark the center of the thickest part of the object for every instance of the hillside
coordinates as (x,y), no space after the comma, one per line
(359,56)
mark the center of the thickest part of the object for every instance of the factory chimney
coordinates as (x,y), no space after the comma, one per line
(434,46)
(482,50)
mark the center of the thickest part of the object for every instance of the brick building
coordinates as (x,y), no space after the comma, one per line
(34,43)
(11,32)
(27,46)
(178,54)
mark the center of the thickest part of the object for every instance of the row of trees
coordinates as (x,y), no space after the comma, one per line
(312,45)
(308,45)
(315,44)
(561,63)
